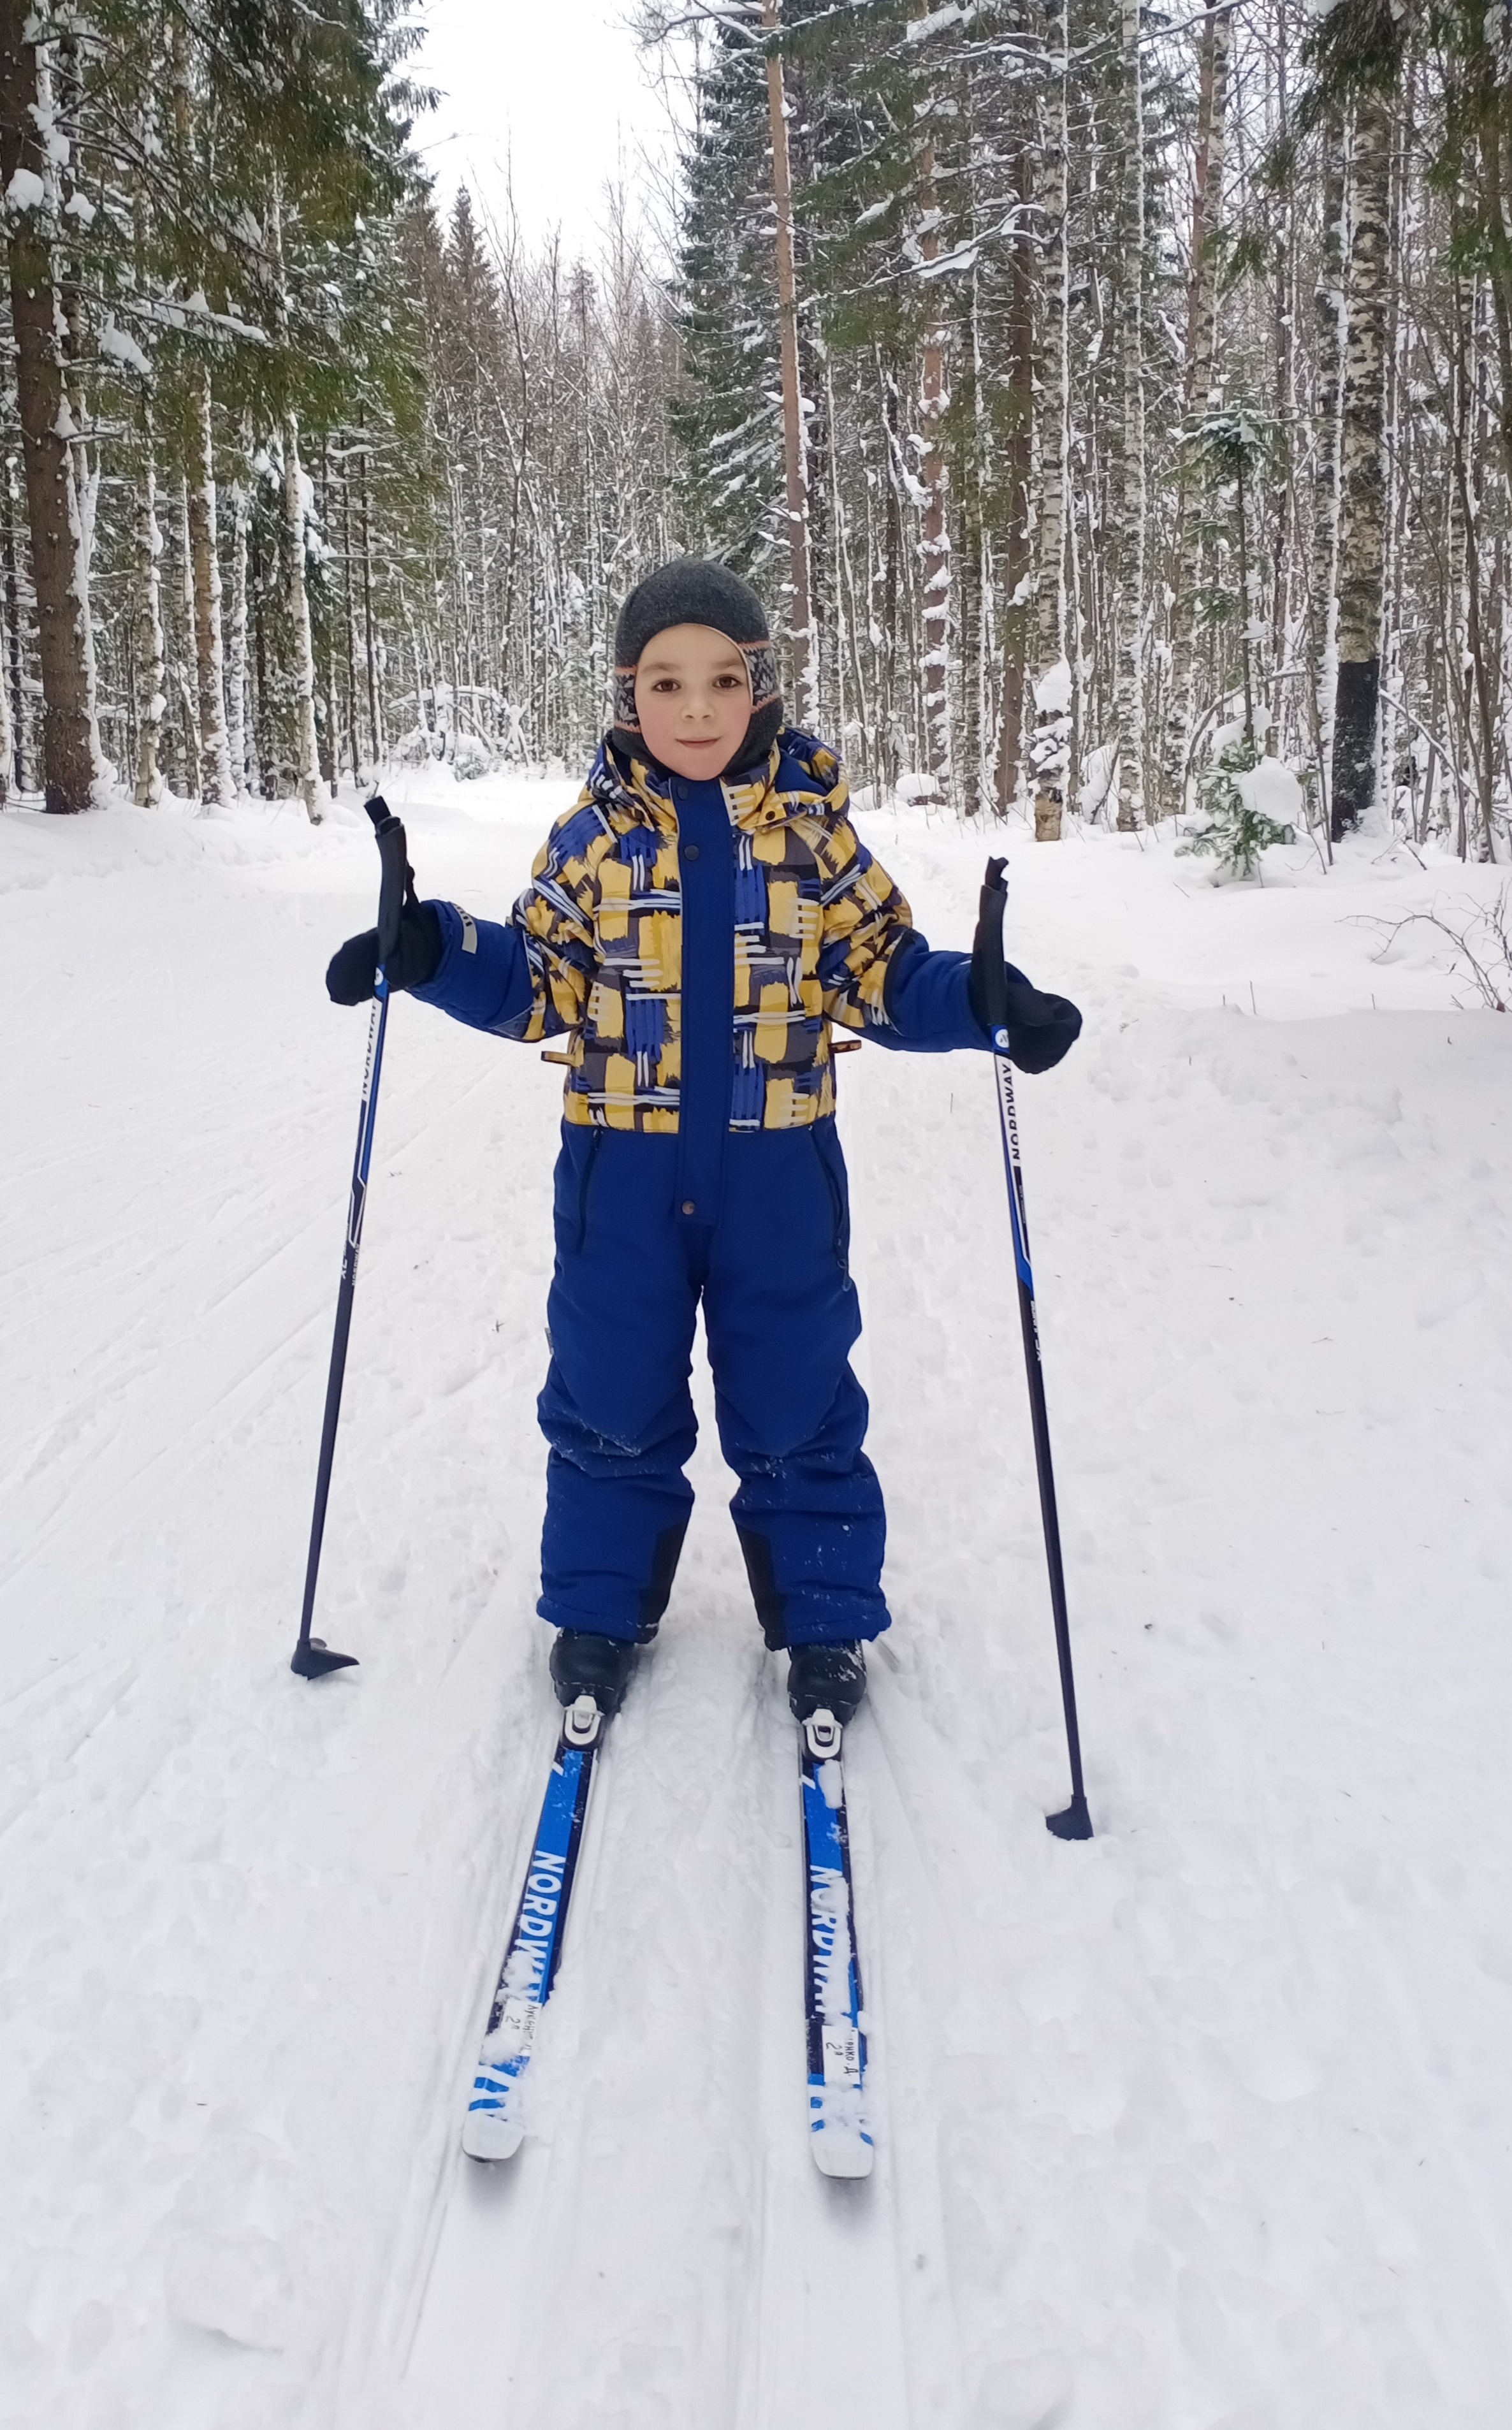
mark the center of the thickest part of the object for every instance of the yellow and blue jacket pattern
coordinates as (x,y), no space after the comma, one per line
(817,921)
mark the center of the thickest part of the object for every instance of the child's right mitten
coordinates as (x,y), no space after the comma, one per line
(353,967)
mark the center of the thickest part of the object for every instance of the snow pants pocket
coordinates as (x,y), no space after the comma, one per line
(832,1165)
(573,1181)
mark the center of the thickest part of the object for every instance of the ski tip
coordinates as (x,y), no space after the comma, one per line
(488,2137)
(837,2153)
(313,1659)
(1073,1823)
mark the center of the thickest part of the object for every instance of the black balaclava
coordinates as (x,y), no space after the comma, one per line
(696,590)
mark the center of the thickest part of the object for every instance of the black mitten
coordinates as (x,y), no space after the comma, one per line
(1041,1028)
(353,967)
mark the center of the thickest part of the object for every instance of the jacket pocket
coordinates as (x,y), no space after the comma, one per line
(832,1165)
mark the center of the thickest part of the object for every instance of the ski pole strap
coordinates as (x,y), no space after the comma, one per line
(987,957)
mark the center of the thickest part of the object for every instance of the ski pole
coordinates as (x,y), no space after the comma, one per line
(1074,1823)
(312,1658)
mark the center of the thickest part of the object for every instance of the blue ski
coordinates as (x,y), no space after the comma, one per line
(494,2130)
(832,1972)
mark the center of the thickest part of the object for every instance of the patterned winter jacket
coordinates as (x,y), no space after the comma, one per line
(817,923)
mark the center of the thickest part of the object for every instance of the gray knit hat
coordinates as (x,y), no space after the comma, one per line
(697,591)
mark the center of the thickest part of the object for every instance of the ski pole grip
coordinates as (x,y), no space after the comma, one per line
(393,858)
(988,961)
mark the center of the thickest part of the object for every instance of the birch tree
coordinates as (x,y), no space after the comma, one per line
(795,466)
(1052,676)
(147,782)
(216,783)
(29,173)
(1361,557)
(1199,395)
(933,542)
(1131,496)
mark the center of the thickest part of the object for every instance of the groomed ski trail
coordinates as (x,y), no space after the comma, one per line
(1203,2123)
(811,2300)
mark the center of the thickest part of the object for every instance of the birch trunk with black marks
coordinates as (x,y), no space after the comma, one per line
(13,671)
(933,548)
(1285,413)
(62,602)
(147,783)
(1019,620)
(236,666)
(1328,343)
(1476,689)
(1197,395)
(1052,690)
(1128,711)
(83,452)
(376,744)
(187,661)
(216,785)
(307,774)
(7,749)
(794,453)
(1362,469)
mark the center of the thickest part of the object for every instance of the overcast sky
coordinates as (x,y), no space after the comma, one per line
(548,95)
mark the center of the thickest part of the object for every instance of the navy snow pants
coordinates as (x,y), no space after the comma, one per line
(780,1312)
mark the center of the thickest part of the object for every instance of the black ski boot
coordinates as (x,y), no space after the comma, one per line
(585,1665)
(826,1678)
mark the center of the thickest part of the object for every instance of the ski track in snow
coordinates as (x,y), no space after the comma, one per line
(1203,2125)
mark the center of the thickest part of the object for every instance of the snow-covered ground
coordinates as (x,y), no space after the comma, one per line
(1205,2124)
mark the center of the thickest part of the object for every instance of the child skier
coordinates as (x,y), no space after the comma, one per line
(694,927)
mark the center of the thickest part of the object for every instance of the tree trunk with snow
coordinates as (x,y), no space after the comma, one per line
(1051,691)
(1284,324)
(1017,615)
(1362,471)
(62,604)
(1198,392)
(794,452)
(236,670)
(7,742)
(216,784)
(935,555)
(187,667)
(13,670)
(147,784)
(1131,499)
(934,550)
(1328,360)
(376,740)
(1476,686)
(312,793)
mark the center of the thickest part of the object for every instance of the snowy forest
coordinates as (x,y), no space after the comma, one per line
(1106,397)
(1110,402)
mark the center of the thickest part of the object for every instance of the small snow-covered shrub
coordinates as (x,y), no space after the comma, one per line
(1232,792)
(471,756)
(413,749)
(1480,938)
(915,787)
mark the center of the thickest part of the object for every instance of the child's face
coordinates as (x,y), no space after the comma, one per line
(692,695)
